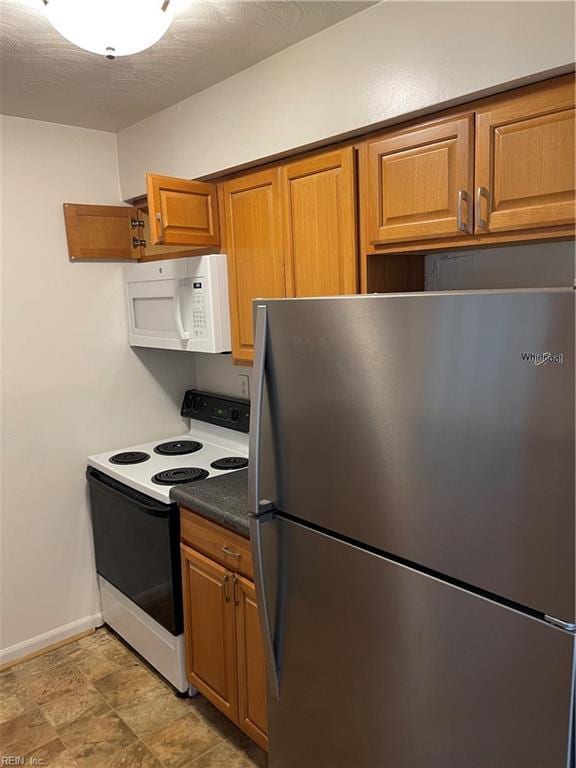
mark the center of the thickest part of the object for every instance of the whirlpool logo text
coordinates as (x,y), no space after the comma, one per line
(543,358)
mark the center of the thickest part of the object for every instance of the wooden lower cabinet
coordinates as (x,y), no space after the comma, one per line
(224,650)
(209,629)
(252,714)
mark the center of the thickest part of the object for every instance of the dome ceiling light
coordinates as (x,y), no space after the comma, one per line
(110,27)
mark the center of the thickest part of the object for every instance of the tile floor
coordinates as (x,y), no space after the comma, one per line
(95,704)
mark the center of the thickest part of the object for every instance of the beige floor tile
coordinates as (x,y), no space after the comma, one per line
(108,645)
(25,733)
(219,723)
(96,639)
(78,703)
(51,683)
(117,652)
(10,707)
(42,663)
(137,755)
(181,741)
(14,700)
(152,710)
(249,750)
(93,664)
(221,756)
(52,755)
(93,740)
(127,684)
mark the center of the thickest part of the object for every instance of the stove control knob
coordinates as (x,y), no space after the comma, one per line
(235,414)
(196,403)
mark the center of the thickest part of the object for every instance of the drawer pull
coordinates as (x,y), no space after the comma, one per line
(230,552)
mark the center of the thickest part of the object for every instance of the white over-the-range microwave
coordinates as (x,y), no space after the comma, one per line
(179,304)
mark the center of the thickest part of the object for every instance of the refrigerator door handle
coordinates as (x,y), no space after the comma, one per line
(256,504)
(256,523)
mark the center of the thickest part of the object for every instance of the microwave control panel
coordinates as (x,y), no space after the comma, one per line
(199,309)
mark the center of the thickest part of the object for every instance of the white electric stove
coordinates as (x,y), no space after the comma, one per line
(137,527)
(153,468)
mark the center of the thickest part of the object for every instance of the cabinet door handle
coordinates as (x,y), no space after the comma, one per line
(226,589)
(480,193)
(463,226)
(236,596)
(230,552)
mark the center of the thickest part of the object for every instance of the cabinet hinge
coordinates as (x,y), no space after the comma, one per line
(135,223)
(562,624)
(137,243)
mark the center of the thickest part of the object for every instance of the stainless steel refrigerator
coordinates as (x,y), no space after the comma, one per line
(412,484)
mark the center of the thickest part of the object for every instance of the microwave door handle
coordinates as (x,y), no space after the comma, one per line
(183,334)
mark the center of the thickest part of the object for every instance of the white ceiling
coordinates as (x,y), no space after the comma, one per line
(44,77)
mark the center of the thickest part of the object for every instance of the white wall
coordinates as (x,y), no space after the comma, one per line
(393,59)
(71,384)
(218,374)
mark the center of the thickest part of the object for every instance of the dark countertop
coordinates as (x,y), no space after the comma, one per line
(222,499)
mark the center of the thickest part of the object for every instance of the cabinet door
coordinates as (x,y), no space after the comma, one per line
(525,159)
(252,704)
(162,252)
(418,182)
(182,212)
(209,629)
(103,232)
(254,245)
(319,196)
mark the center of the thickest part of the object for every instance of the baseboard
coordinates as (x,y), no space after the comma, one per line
(13,653)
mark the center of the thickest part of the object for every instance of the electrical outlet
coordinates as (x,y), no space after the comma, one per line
(244,385)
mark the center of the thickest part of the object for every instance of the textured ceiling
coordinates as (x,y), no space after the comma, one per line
(43,76)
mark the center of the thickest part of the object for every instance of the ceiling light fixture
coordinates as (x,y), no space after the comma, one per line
(110,27)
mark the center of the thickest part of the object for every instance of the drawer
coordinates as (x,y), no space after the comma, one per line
(226,547)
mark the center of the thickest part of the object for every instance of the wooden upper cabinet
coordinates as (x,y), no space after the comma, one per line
(118,233)
(252,688)
(182,212)
(102,232)
(210,631)
(319,213)
(254,244)
(525,158)
(418,182)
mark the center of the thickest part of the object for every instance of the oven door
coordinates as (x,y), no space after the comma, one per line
(158,313)
(136,544)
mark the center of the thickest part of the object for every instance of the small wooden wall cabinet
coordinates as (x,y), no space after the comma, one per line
(224,650)
(177,218)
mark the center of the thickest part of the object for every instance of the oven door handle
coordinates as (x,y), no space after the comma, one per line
(149,506)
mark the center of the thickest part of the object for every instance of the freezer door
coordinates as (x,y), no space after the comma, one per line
(381,666)
(436,427)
